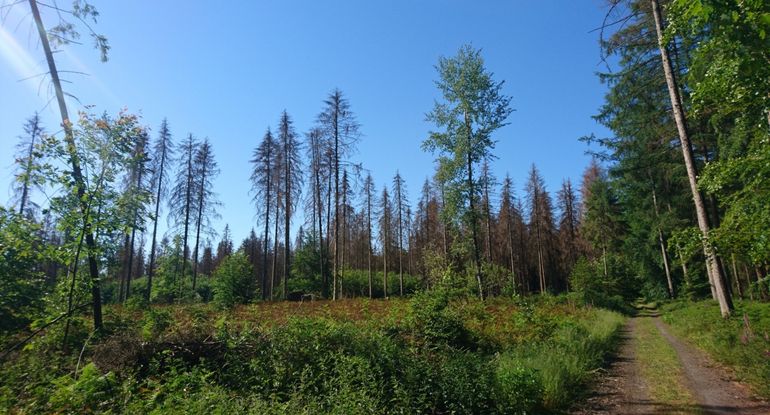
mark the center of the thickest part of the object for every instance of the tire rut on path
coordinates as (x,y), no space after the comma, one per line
(623,389)
(715,390)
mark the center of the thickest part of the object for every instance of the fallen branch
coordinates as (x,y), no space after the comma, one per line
(35,333)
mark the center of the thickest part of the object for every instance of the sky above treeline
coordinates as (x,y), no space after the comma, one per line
(226,71)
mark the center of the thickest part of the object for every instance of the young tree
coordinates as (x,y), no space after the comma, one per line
(64,32)
(473,108)
(163,151)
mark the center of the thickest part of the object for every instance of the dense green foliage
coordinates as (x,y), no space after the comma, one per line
(234,281)
(435,353)
(21,280)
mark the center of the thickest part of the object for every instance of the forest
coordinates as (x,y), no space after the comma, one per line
(119,295)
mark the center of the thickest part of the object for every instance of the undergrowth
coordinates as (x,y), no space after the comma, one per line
(435,353)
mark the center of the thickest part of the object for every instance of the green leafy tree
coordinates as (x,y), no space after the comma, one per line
(473,108)
(234,282)
(21,279)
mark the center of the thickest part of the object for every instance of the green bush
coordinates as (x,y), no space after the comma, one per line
(155,322)
(92,391)
(234,281)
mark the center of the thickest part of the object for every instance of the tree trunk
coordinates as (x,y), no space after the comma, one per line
(188,202)
(275,252)
(287,219)
(717,279)
(400,243)
(472,207)
(662,244)
(369,227)
(320,233)
(267,231)
(336,201)
(77,174)
(201,201)
(151,271)
(736,276)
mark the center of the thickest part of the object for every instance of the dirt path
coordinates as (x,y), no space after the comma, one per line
(623,390)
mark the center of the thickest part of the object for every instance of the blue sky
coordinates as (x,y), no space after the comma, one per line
(226,70)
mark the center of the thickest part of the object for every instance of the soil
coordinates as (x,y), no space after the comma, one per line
(623,390)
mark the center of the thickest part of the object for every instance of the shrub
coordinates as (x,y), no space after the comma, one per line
(155,322)
(234,281)
(91,392)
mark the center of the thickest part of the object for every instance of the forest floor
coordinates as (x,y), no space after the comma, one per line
(655,372)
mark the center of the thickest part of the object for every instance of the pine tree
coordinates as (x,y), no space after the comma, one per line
(26,176)
(181,201)
(339,126)
(204,198)
(401,202)
(163,152)
(262,183)
(290,171)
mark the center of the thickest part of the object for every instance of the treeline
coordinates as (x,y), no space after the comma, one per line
(687,190)
(468,229)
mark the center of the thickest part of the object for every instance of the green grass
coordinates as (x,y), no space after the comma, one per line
(660,367)
(434,353)
(741,342)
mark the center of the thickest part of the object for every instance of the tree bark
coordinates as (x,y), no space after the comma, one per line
(717,278)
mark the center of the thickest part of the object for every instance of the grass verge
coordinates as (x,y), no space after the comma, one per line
(742,342)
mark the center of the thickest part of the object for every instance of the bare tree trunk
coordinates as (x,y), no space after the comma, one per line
(736,276)
(320,233)
(400,242)
(287,220)
(151,271)
(662,243)
(509,230)
(275,252)
(385,265)
(717,278)
(201,201)
(336,202)
(77,175)
(369,228)
(325,287)
(266,243)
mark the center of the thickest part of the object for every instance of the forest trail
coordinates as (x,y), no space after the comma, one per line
(639,381)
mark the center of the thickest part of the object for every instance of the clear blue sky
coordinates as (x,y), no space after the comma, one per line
(226,70)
